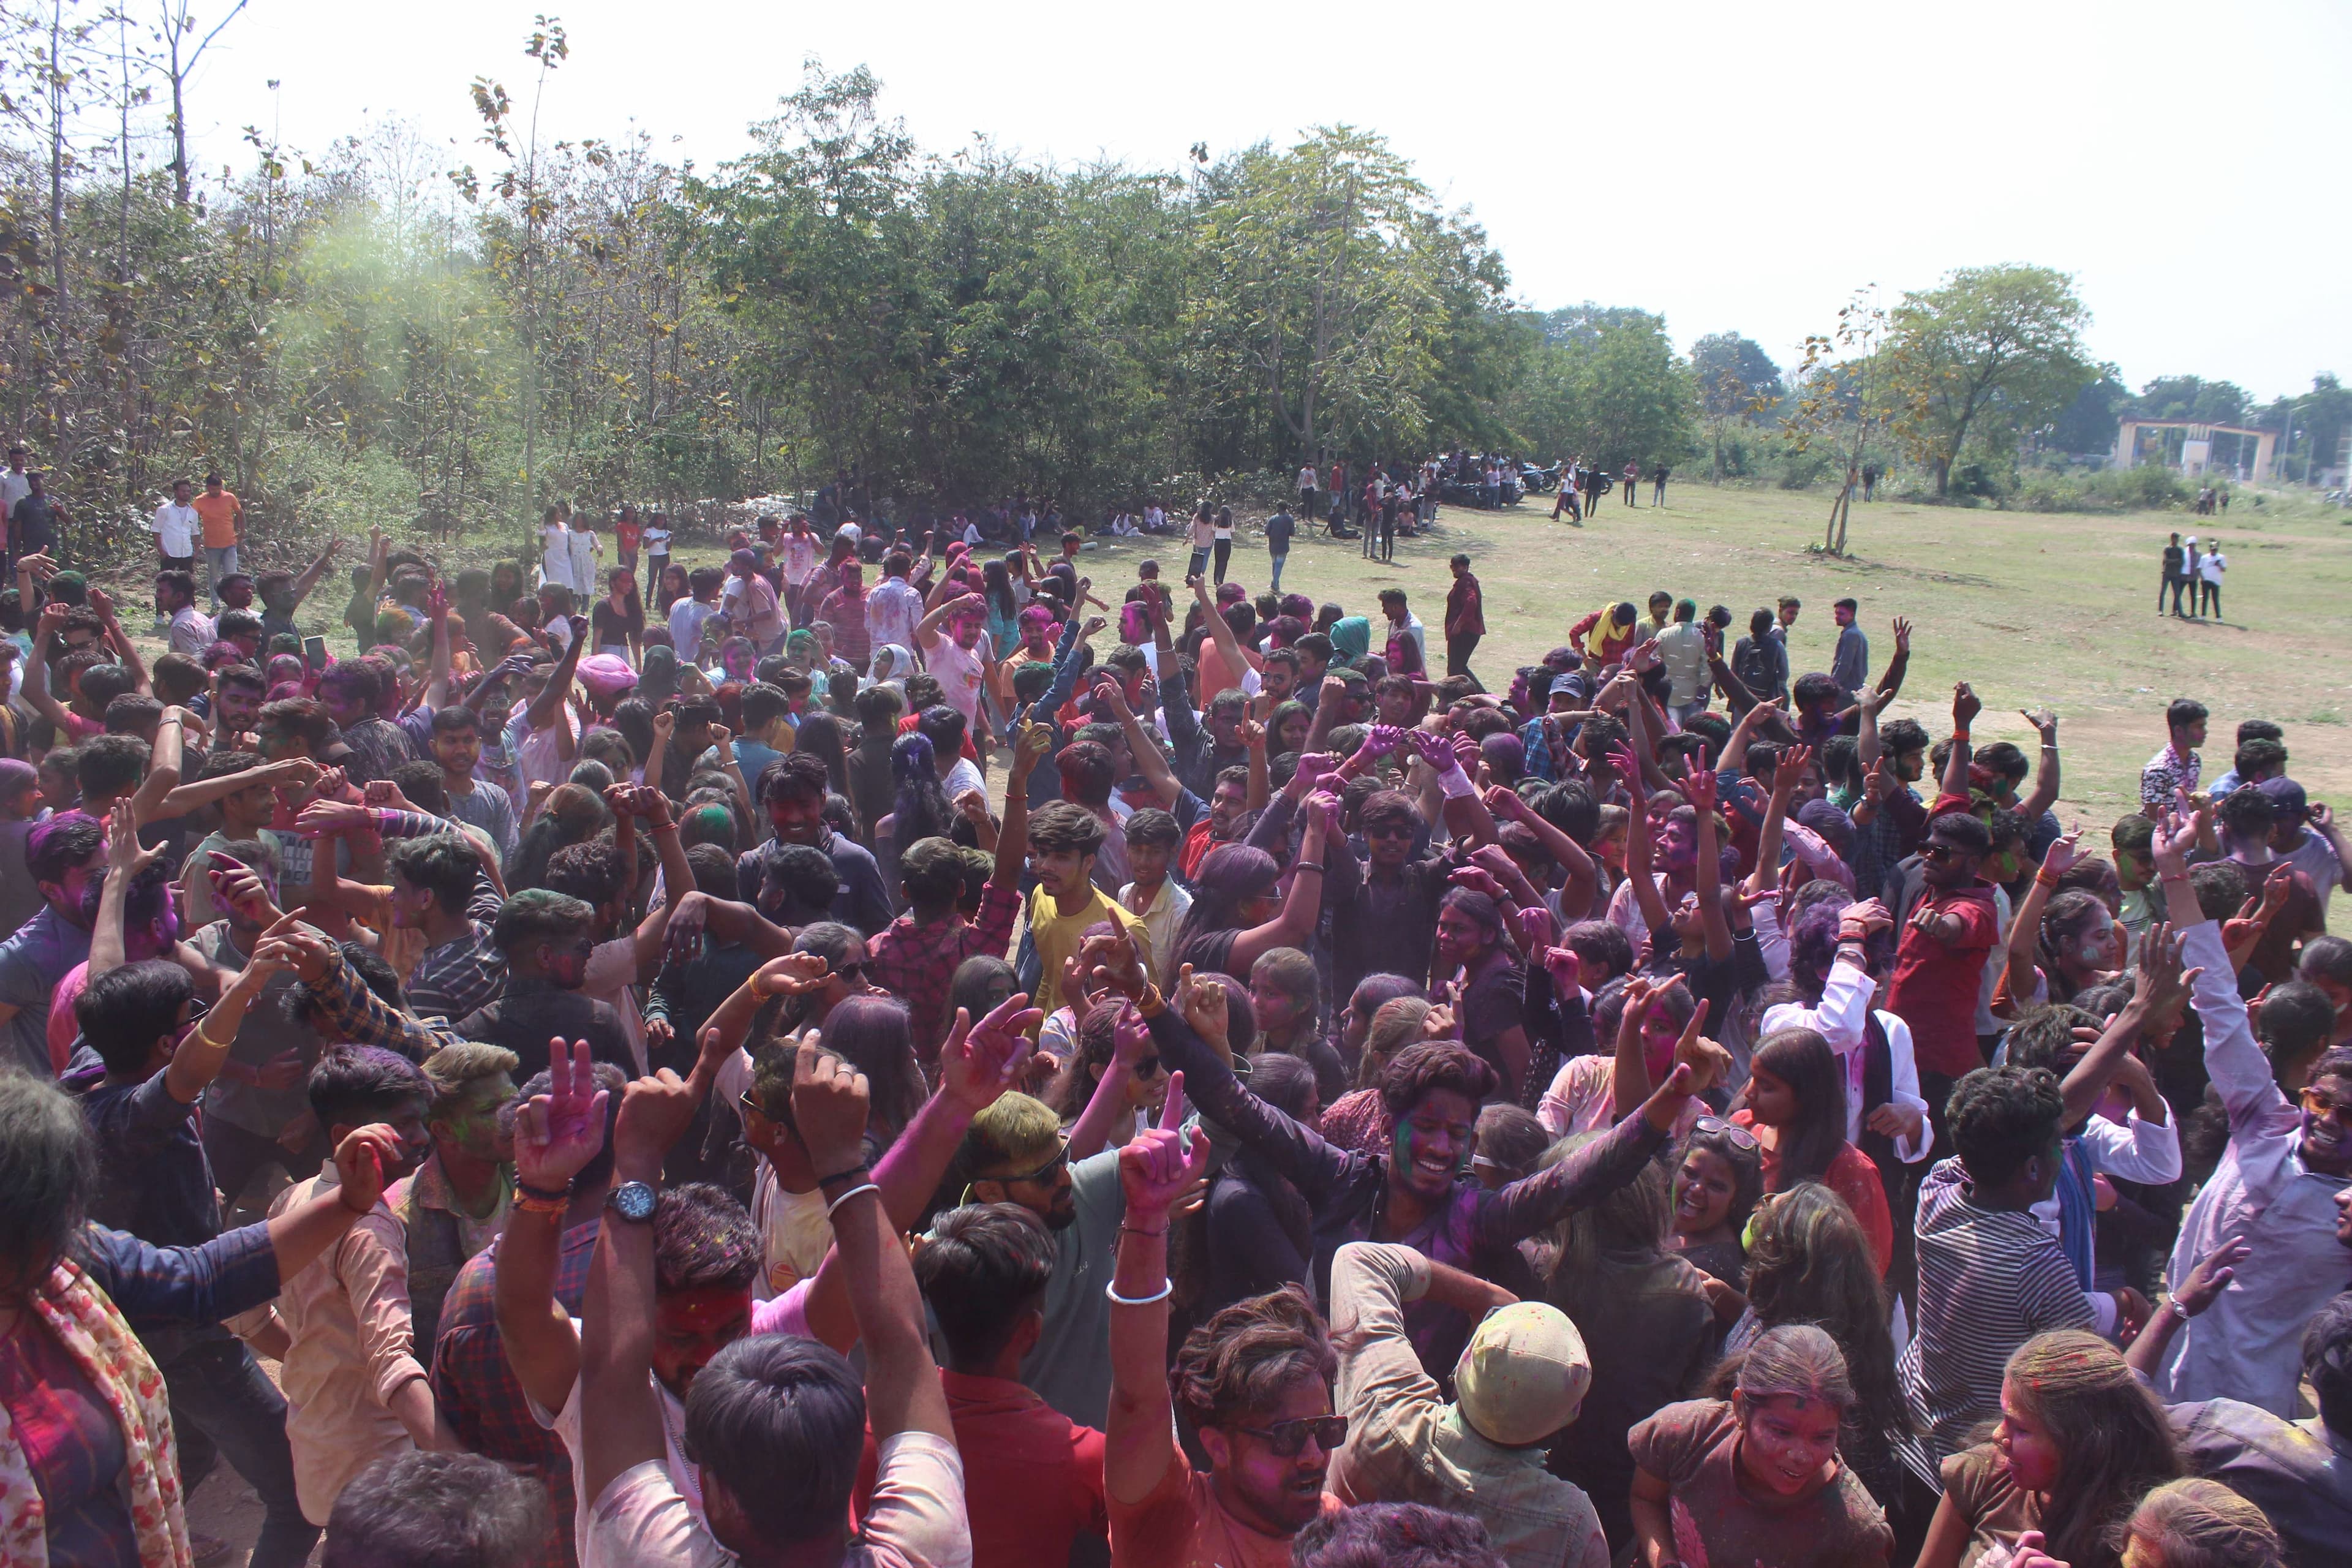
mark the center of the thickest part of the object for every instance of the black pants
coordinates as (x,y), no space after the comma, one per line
(1457,655)
(224,1406)
(2176,585)
(1388,533)
(1224,550)
(1307,504)
(1629,492)
(2210,597)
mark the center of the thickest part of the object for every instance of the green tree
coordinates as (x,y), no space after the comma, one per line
(1990,353)
(1736,381)
(1605,385)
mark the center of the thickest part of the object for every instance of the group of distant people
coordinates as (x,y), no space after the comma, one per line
(2196,573)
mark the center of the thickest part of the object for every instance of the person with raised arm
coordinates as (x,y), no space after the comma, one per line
(2275,1186)
(773,1419)
(1419,1192)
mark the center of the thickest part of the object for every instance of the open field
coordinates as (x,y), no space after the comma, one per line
(2031,609)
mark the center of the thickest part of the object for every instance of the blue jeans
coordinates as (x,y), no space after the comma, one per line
(1275,586)
(222,1406)
(221,564)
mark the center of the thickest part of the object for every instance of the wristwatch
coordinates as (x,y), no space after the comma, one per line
(633,1201)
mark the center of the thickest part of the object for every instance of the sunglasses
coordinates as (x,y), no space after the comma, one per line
(1715,1126)
(1393,830)
(1931,850)
(1286,1438)
(1148,1067)
(849,971)
(1045,1173)
(2327,1107)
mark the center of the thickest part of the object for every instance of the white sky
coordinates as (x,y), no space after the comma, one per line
(1736,167)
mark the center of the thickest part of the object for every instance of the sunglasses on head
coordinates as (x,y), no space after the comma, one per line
(1046,1172)
(1715,1126)
(1286,1438)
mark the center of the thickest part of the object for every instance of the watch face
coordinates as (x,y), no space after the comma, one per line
(635,1199)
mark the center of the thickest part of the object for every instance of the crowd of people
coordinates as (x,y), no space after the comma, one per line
(892,1051)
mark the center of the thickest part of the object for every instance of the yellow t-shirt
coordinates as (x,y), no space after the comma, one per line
(1057,936)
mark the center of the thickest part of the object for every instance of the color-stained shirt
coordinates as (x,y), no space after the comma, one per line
(1181,1525)
(916,962)
(347,1316)
(1406,1444)
(1720,1521)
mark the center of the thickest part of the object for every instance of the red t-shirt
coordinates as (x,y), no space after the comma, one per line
(1183,1525)
(1032,1478)
(627,532)
(1934,989)
(1853,1176)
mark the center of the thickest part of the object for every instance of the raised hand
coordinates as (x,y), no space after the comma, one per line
(385,794)
(972,805)
(1505,804)
(1966,705)
(1200,1002)
(1859,923)
(1902,635)
(655,1114)
(830,1098)
(360,1160)
(2212,1276)
(2176,834)
(789,974)
(1787,774)
(2044,721)
(979,1061)
(125,856)
(2161,983)
(2062,852)
(1478,880)
(556,1133)
(1159,1166)
(1114,964)
(240,888)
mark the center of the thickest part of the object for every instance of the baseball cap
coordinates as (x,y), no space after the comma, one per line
(1523,1375)
(2287,798)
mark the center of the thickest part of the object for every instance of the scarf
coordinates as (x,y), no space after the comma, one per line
(93,1333)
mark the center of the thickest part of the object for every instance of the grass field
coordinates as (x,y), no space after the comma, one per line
(2031,609)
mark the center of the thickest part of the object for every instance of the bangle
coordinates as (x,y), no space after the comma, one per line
(206,1039)
(2044,880)
(1307,865)
(1138,1230)
(856,1170)
(1151,1004)
(1959,737)
(2048,745)
(1167,1289)
(863,1187)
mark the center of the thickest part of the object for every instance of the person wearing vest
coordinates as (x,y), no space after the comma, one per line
(1838,959)
(454,1204)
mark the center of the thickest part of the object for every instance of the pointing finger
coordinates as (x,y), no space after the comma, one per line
(1172,1112)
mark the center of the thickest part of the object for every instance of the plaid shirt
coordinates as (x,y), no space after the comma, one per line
(348,1011)
(475,1388)
(918,961)
(459,976)
(846,615)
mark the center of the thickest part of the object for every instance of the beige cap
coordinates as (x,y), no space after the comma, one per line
(1523,1374)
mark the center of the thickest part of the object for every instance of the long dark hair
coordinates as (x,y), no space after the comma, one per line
(871,1030)
(1230,876)
(1804,1061)
(999,589)
(1811,1264)
(2116,1441)
(920,809)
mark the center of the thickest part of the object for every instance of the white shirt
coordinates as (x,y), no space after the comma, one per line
(15,486)
(1846,996)
(2215,564)
(193,631)
(176,527)
(686,619)
(1306,480)
(657,541)
(893,611)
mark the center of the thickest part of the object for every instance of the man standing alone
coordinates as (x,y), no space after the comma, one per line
(1850,665)
(222,513)
(1465,620)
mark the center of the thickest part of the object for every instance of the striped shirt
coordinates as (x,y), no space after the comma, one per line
(1990,1279)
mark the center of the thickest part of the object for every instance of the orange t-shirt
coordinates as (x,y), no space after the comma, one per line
(1183,1525)
(220,513)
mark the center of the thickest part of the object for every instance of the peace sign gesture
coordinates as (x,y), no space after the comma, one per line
(1160,1166)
